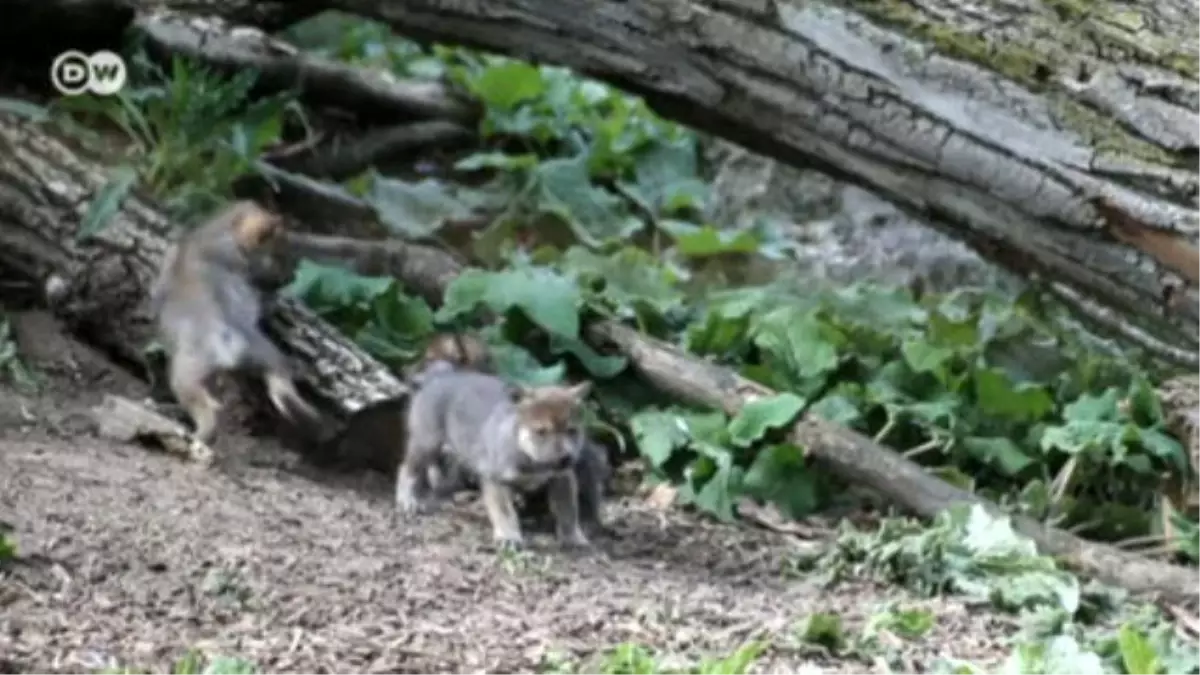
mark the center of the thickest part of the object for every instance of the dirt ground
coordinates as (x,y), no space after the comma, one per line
(129,557)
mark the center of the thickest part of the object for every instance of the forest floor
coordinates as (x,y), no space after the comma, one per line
(129,557)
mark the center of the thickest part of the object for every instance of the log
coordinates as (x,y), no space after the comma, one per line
(843,452)
(99,281)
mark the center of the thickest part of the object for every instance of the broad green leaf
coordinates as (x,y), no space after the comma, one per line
(599,366)
(924,357)
(667,178)
(757,417)
(721,482)
(516,364)
(224,665)
(778,475)
(658,435)
(1088,408)
(998,452)
(327,286)
(414,210)
(506,85)
(838,409)
(695,241)
(548,299)
(1164,447)
(999,395)
(630,278)
(595,215)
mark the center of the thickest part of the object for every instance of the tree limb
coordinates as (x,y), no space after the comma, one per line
(366,92)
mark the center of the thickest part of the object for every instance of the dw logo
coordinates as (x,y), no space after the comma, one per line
(73,73)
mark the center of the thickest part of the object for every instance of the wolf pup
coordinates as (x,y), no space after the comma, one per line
(207,313)
(511,439)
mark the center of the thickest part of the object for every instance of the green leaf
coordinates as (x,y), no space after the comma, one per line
(721,482)
(107,201)
(998,452)
(548,299)
(1088,408)
(594,215)
(658,435)
(1137,653)
(630,278)
(414,210)
(779,475)
(509,84)
(837,408)
(224,665)
(799,340)
(599,366)
(695,241)
(1164,447)
(331,287)
(667,177)
(757,417)
(923,357)
(998,395)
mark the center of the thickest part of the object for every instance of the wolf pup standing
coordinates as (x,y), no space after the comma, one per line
(510,438)
(207,312)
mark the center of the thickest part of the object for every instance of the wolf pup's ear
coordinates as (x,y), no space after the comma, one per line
(581,390)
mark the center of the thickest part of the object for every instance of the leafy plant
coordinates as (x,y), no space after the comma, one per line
(188,134)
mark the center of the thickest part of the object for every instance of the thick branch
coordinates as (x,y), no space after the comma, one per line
(45,190)
(320,81)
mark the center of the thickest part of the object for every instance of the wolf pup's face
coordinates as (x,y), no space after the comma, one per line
(549,422)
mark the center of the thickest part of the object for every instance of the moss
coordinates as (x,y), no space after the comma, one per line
(1075,27)
(1106,135)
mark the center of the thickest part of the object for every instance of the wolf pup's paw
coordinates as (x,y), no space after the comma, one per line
(410,506)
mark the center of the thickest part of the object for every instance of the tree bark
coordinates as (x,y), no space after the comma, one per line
(999,126)
(98,283)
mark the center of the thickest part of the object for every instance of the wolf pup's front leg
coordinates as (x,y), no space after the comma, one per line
(563,495)
(506,527)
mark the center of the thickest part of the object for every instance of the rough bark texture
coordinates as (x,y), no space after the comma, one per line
(975,151)
(45,190)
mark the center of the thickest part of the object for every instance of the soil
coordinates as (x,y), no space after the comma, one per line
(129,557)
